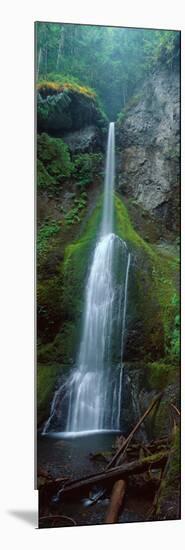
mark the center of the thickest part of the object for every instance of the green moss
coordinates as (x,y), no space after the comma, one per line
(49,307)
(76,262)
(124,227)
(159,374)
(57,83)
(63,105)
(47,376)
(161,272)
(62,348)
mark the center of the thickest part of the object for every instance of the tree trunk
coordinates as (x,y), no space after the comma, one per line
(39,62)
(116,501)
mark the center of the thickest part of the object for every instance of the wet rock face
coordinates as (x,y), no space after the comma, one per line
(137,395)
(144,329)
(148,138)
(83,141)
(68,111)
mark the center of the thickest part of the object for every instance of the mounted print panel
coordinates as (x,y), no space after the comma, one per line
(108,239)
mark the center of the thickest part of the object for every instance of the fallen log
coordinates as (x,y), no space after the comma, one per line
(117,495)
(126,442)
(114,474)
(116,501)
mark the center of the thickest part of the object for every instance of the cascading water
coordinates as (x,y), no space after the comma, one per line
(93,391)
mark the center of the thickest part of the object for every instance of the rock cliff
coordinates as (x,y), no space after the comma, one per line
(148,136)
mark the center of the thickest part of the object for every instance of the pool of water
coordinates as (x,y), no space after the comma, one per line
(70,456)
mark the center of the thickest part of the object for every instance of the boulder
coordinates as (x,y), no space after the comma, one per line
(68,110)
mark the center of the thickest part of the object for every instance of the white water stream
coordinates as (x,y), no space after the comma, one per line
(94,389)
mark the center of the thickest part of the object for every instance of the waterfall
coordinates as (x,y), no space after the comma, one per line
(93,391)
(107,218)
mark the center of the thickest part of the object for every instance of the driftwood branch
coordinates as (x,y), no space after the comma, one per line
(175,409)
(126,443)
(110,476)
(116,501)
(117,495)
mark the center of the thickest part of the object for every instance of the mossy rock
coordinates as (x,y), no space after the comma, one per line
(56,84)
(160,374)
(151,287)
(47,377)
(63,347)
(67,108)
(77,260)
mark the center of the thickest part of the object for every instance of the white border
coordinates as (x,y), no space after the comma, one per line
(17,302)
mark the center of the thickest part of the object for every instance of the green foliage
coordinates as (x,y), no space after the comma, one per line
(62,348)
(44,180)
(113,61)
(86,167)
(74,214)
(54,161)
(159,374)
(42,114)
(175,339)
(76,262)
(56,83)
(162,286)
(44,237)
(124,228)
(54,110)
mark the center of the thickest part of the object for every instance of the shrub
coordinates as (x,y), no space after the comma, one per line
(53,162)
(54,154)
(45,233)
(86,166)
(175,339)
(44,180)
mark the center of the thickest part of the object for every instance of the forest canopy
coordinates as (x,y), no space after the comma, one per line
(111,60)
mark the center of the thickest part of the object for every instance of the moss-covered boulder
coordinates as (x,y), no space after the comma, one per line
(65,106)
